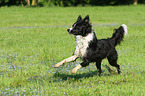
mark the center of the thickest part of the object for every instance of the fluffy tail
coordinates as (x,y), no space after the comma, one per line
(118,35)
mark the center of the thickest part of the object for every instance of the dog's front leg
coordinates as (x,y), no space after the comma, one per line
(76,68)
(72,58)
(83,64)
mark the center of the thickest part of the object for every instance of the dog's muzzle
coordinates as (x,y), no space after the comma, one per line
(69,30)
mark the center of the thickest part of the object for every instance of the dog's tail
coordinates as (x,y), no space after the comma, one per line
(118,35)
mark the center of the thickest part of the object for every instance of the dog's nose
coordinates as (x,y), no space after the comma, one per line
(68,30)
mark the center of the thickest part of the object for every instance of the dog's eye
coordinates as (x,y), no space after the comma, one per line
(77,26)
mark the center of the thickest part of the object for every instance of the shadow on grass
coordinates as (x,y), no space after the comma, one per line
(65,77)
(59,77)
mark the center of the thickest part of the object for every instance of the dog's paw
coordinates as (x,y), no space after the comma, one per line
(120,73)
(56,65)
(74,71)
(112,72)
(76,68)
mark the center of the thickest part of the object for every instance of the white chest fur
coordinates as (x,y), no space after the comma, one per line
(82,44)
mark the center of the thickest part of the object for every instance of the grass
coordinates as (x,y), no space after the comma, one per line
(27,55)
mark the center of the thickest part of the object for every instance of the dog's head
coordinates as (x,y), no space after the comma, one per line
(81,27)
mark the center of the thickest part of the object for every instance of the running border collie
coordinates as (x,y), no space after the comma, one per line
(90,49)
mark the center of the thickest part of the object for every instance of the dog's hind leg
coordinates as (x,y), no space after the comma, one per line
(113,62)
(72,58)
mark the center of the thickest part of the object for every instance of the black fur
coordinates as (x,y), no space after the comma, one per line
(81,27)
(97,50)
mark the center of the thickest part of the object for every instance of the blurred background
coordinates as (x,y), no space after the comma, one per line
(66,3)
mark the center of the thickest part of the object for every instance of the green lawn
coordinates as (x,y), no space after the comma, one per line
(33,40)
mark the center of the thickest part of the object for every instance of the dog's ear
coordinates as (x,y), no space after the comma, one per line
(79,18)
(86,19)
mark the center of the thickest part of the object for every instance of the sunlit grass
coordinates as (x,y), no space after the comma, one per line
(27,55)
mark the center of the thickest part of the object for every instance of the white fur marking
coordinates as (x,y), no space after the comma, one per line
(74,25)
(82,44)
(76,68)
(70,29)
(125,29)
(72,58)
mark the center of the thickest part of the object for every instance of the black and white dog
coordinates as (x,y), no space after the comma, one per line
(90,49)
